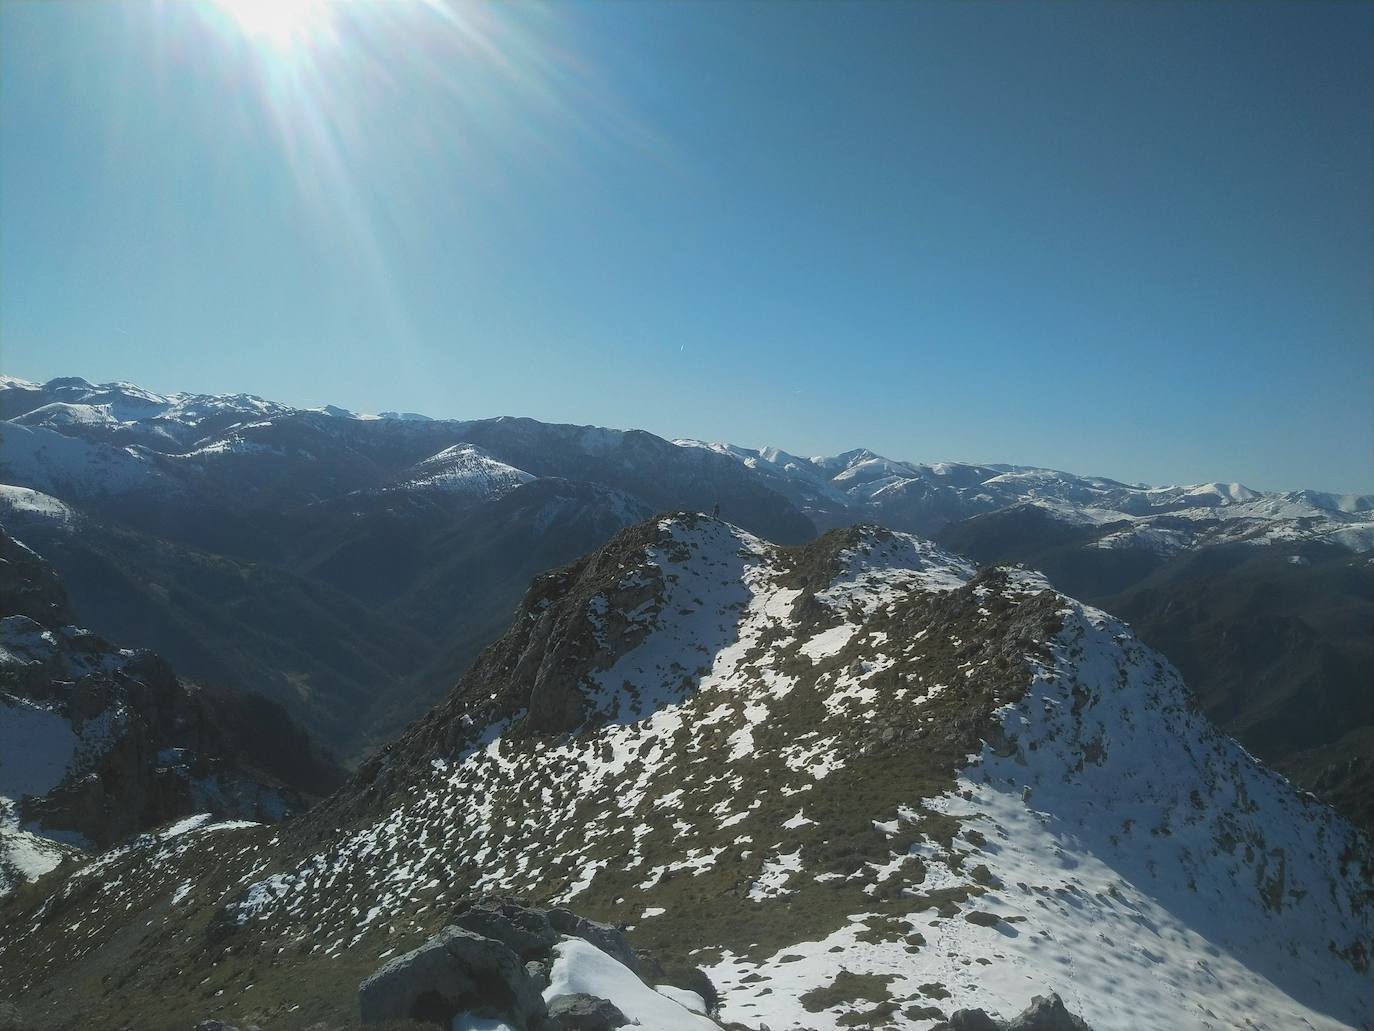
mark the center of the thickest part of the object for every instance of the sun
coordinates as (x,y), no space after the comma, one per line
(283,24)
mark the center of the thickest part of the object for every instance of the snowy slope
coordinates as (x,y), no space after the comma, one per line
(45,460)
(856,782)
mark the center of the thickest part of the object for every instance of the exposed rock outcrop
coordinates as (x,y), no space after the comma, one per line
(582,1012)
(493,962)
(1045,1013)
(456,971)
(104,742)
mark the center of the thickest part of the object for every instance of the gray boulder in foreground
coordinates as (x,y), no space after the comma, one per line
(526,930)
(495,961)
(581,1012)
(454,972)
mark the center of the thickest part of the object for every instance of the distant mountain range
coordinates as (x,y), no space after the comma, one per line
(351,567)
(839,489)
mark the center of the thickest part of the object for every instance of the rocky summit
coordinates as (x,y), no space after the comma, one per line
(855,783)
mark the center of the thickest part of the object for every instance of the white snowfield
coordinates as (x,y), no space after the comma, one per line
(1117,849)
(45,460)
(25,856)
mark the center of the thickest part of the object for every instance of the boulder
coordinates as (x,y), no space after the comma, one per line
(649,967)
(538,973)
(973,1020)
(696,980)
(527,932)
(1047,1013)
(607,938)
(454,972)
(581,1012)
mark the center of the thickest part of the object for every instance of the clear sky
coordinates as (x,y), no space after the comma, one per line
(1124,239)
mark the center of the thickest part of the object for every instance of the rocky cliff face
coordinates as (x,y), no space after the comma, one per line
(98,743)
(856,782)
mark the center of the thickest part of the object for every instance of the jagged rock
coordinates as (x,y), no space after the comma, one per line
(649,967)
(454,972)
(526,931)
(1047,1013)
(971,1020)
(610,940)
(29,586)
(585,1013)
(538,973)
(149,748)
(212,1025)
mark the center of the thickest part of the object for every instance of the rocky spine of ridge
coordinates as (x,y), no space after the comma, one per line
(528,679)
(579,620)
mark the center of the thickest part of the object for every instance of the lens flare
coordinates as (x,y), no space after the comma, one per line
(383,112)
(283,24)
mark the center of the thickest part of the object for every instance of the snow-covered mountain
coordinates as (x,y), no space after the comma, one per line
(857,782)
(133,438)
(463,469)
(127,448)
(860,485)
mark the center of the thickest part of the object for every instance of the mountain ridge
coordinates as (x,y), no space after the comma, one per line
(761,757)
(253,510)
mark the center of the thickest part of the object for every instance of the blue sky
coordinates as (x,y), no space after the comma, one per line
(1124,239)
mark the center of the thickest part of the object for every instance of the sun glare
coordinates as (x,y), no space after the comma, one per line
(281,23)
